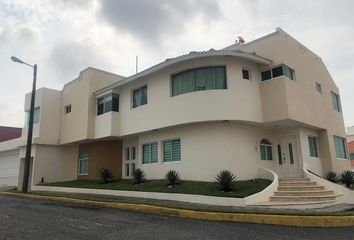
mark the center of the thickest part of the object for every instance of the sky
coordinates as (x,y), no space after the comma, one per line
(66,36)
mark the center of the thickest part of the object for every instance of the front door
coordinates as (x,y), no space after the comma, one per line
(288,157)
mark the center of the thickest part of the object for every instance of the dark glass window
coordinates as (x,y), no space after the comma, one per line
(139,97)
(281,70)
(279,155)
(266,150)
(291,153)
(336,102)
(246,74)
(266,75)
(278,71)
(108,103)
(199,79)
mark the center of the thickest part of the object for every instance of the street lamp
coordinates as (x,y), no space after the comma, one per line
(26,170)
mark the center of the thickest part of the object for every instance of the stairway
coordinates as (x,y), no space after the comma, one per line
(300,192)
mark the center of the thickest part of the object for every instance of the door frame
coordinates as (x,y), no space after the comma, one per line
(286,169)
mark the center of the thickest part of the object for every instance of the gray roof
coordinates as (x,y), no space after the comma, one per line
(192,55)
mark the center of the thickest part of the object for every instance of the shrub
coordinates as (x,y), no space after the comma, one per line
(139,176)
(226,180)
(106,175)
(347,177)
(332,177)
(172,178)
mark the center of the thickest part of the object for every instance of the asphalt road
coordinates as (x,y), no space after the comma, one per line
(36,219)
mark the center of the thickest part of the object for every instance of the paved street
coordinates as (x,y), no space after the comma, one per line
(36,219)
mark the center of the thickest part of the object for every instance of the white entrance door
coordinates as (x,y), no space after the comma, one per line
(288,157)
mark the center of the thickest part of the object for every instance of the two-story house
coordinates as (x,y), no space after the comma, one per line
(268,103)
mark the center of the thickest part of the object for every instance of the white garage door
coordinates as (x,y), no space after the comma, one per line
(9,162)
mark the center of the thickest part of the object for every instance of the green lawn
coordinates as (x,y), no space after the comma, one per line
(242,188)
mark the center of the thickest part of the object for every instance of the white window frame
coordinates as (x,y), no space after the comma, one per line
(132,96)
(249,74)
(266,145)
(318,87)
(142,153)
(162,154)
(79,168)
(316,142)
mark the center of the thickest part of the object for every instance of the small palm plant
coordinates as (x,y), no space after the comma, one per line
(106,175)
(226,180)
(347,178)
(139,176)
(333,177)
(172,177)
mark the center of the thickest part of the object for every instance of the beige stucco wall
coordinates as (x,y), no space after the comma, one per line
(208,148)
(48,128)
(80,123)
(304,103)
(53,163)
(241,100)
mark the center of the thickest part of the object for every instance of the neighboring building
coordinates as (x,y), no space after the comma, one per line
(9,155)
(350,139)
(8,133)
(350,134)
(351,153)
(267,103)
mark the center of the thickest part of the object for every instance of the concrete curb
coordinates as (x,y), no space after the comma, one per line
(286,220)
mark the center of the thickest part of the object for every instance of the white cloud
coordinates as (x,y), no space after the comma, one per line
(65,36)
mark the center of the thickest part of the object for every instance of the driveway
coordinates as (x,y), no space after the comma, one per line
(36,219)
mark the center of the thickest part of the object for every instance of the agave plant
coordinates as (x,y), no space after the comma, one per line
(172,178)
(226,180)
(139,176)
(333,177)
(347,178)
(106,175)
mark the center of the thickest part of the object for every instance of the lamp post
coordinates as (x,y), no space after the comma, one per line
(26,170)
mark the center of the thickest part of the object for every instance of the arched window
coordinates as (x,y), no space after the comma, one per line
(83,163)
(266,150)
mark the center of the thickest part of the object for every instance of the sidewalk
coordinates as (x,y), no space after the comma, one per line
(326,217)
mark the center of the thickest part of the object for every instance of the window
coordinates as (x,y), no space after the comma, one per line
(313,147)
(133,153)
(336,102)
(133,168)
(150,153)
(172,150)
(139,97)
(318,88)
(279,155)
(127,170)
(266,75)
(36,115)
(266,150)
(246,74)
(281,70)
(127,154)
(67,109)
(109,103)
(83,163)
(340,146)
(200,79)
(352,156)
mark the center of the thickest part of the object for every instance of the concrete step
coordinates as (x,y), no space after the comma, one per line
(300,188)
(305,193)
(302,198)
(293,179)
(291,204)
(297,183)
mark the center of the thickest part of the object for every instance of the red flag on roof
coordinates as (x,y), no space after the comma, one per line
(241,40)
